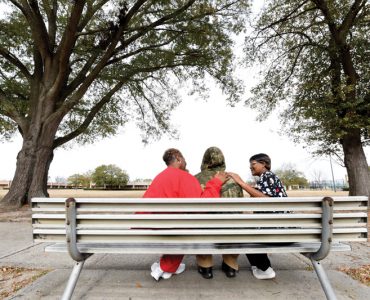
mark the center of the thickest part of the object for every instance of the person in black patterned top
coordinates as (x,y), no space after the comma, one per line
(268,184)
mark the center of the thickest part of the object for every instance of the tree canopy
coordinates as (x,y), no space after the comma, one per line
(79,180)
(290,176)
(109,176)
(316,70)
(295,40)
(116,52)
(78,70)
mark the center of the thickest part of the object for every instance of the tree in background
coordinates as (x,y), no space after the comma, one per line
(78,70)
(290,176)
(60,179)
(79,180)
(317,68)
(143,180)
(317,176)
(109,176)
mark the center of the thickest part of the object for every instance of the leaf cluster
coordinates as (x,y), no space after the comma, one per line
(304,69)
(109,175)
(122,61)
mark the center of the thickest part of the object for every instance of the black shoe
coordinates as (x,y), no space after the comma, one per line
(229,271)
(206,272)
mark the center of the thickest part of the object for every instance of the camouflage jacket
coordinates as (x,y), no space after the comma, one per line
(214,161)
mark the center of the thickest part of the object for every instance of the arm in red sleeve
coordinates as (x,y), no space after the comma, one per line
(212,189)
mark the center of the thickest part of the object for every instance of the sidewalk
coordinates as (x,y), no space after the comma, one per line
(128,277)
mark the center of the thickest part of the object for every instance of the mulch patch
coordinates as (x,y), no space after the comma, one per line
(13,279)
(361,274)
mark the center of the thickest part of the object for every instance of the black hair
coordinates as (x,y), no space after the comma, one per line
(262,158)
(170,155)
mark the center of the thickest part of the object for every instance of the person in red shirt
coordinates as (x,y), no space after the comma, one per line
(176,182)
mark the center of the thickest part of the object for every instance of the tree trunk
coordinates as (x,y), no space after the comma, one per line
(38,188)
(356,164)
(18,192)
(33,162)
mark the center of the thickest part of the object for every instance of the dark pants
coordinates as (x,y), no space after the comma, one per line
(261,261)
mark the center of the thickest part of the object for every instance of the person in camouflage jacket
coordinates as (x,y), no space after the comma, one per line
(213,162)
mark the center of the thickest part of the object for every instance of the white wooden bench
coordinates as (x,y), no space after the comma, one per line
(312,226)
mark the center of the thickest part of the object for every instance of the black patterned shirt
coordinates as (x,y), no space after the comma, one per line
(270,185)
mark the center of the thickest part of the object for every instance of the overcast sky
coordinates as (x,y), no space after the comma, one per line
(201,125)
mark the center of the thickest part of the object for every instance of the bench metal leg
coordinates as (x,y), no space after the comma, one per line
(324,280)
(72,281)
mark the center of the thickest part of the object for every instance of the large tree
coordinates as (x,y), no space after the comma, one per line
(317,62)
(77,70)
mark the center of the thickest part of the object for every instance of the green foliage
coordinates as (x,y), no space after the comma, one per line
(290,176)
(109,176)
(124,61)
(316,68)
(79,180)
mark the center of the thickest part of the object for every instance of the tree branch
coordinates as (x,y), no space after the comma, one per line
(16,62)
(287,16)
(140,50)
(9,110)
(51,12)
(89,118)
(323,7)
(38,28)
(159,22)
(109,52)
(67,43)
(350,17)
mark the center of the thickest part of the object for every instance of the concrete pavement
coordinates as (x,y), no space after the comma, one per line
(127,276)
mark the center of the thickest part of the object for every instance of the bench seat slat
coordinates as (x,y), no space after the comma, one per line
(200,223)
(200,232)
(155,248)
(203,239)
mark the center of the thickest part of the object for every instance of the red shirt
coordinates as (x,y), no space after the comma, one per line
(176,183)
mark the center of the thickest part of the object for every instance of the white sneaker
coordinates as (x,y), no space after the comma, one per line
(180,269)
(259,274)
(158,273)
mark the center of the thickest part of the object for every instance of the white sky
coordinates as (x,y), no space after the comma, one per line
(201,125)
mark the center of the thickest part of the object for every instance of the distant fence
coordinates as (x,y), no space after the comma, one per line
(328,184)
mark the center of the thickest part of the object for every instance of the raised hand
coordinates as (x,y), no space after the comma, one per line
(236,178)
(223,176)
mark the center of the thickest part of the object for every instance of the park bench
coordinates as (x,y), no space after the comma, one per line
(312,226)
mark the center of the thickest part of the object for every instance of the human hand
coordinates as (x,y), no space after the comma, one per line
(236,178)
(223,176)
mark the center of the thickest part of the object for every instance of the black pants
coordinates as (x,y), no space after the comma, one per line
(261,261)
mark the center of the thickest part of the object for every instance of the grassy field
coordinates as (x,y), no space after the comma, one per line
(132,194)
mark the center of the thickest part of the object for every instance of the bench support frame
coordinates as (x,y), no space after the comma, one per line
(80,258)
(324,280)
(71,237)
(326,240)
(72,281)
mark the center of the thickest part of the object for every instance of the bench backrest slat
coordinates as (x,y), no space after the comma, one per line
(250,220)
